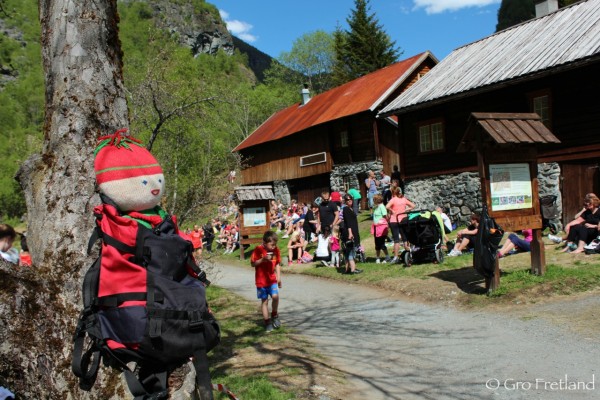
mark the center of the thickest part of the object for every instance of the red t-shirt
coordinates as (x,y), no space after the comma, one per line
(264,273)
(196,239)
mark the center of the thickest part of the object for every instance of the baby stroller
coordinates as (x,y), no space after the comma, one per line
(423,232)
(550,212)
(360,252)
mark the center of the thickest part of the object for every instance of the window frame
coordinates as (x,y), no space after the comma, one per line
(532,96)
(429,123)
(344,139)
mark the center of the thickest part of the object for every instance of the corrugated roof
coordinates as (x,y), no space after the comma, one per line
(362,94)
(508,128)
(558,39)
(254,193)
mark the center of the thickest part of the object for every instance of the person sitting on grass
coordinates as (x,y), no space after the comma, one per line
(232,241)
(266,261)
(323,253)
(584,228)
(295,247)
(516,243)
(466,237)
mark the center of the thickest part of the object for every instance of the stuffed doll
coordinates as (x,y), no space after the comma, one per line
(130,177)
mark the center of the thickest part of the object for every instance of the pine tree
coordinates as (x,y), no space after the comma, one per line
(513,12)
(365,48)
(340,71)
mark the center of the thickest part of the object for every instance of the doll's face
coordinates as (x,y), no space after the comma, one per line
(135,194)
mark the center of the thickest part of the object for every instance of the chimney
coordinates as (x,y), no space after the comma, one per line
(544,7)
(305,94)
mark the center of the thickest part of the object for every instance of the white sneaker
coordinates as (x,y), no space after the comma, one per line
(555,239)
(395,260)
(378,261)
(454,253)
(593,244)
(285,236)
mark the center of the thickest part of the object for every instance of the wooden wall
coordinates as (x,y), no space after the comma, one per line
(575,121)
(280,160)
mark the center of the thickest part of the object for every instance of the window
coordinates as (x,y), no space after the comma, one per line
(312,159)
(541,104)
(344,138)
(431,137)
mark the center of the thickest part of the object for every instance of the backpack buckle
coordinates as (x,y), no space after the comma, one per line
(196,321)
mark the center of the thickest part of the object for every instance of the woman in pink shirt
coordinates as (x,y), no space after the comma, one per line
(398,206)
(515,242)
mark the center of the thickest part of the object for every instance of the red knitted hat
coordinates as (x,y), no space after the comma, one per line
(120,157)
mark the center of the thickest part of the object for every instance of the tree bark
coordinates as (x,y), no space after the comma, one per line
(85,98)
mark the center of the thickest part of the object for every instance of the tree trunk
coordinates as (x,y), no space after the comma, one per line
(85,98)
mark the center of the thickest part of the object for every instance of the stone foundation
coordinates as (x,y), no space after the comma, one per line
(347,173)
(460,194)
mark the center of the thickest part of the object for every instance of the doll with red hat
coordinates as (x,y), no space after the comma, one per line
(130,177)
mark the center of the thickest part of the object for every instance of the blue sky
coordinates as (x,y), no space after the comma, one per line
(440,26)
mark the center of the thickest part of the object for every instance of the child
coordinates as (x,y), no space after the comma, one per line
(322,253)
(334,246)
(295,247)
(24,257)
(7,237)
(266,261)
(232,241)
(196,236)
(466,237)
(379,228)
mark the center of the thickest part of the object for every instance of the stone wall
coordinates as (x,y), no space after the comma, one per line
(349,173)
(282,192)
(460,194)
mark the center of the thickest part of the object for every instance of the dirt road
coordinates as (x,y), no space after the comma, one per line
(394,349)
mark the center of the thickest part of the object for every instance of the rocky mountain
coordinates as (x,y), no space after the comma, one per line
(201,28)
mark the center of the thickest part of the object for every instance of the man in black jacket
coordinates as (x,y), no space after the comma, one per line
(350,236)
(329,215)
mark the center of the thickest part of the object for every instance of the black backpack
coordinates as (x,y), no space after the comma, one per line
(144,302)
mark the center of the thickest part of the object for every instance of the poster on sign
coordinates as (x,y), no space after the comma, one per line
(510,186)
(255,216)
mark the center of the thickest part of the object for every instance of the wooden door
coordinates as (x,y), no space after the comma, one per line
(577,180)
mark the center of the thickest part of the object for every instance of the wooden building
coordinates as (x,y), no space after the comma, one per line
(303,143)
(548,65)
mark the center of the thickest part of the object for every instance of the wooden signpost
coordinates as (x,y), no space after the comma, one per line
(255,219)
(506,146)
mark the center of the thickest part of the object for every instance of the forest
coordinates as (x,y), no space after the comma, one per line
(191,110)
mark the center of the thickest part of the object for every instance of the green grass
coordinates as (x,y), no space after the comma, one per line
(241,328)
(565,273)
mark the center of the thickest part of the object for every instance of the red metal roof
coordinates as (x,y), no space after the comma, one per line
(359,95)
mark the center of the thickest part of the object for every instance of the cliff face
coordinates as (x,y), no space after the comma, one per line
(199,27)
(203,31)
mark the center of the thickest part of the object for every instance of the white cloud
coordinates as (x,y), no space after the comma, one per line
(439,6)
(238,28)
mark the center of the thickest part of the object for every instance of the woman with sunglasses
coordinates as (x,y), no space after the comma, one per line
(584,228)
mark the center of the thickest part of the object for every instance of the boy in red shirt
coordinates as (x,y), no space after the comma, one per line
(266,261)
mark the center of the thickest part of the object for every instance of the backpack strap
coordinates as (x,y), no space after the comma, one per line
(203,382)
(85,365)
(151,385)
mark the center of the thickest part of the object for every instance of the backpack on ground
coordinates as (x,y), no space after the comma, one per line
(144,302)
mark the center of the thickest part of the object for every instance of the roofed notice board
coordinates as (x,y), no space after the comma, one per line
(510,186)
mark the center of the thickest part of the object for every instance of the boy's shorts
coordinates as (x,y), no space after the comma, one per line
(263,293)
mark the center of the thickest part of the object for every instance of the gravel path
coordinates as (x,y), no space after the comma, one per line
(393,349)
